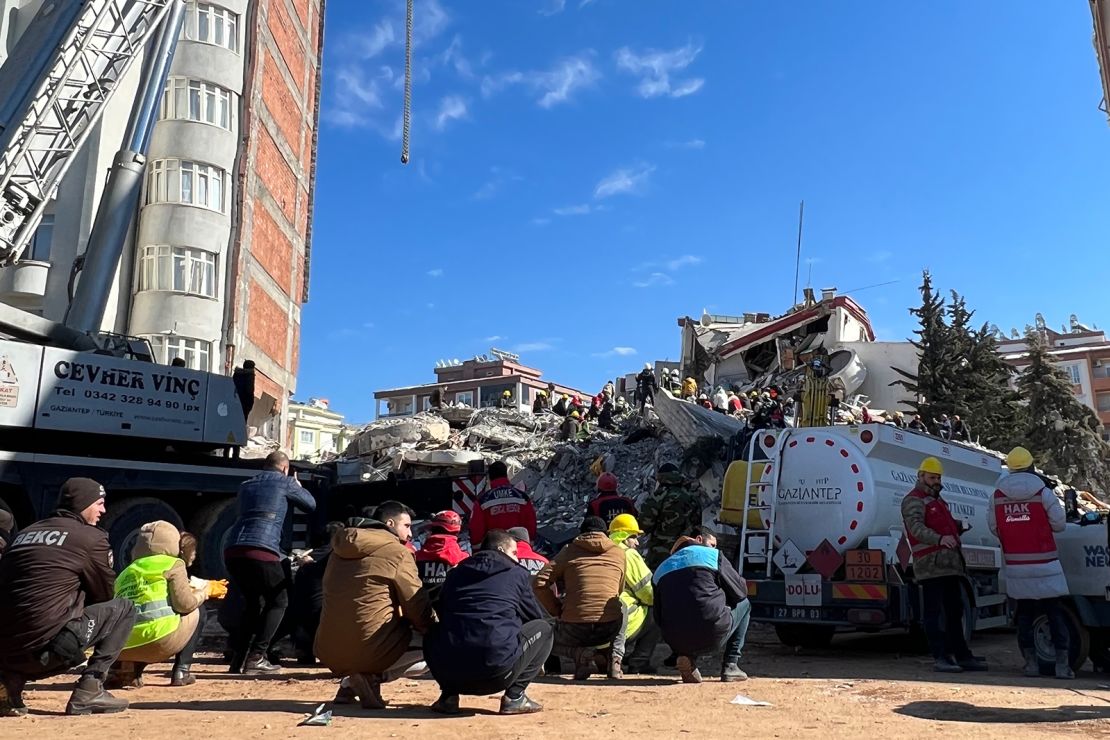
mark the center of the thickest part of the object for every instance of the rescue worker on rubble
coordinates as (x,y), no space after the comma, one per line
(542,403)
(938,566)
(944,427)
(58,602)
(1024,515)
(568,430)
(720,400)
(440,551)
(591,572)
(561,406)
(605,416)
(501,506)
(689,389)
(701,605)
(646,386)
(528,558)
(669,512)
(735,404)
(170,619)
(961,432)
(639,630)
(917,425)
(492,634)
(506,401)
(373,600)
(704,402)
(608,504)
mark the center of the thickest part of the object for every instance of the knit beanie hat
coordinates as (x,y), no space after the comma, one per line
(79,493)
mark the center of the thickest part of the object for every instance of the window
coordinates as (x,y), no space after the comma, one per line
(39,248)
(308,437)
(1073,373)
(1102,370)
(180,269)
(1103,401)
(195,352)
(194,100)
(212,24)
(190,183)
(464,398)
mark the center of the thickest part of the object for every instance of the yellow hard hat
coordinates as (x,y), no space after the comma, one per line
(575,415)
(506,394)
(625,523)
(541,393)
(931,465)
(565,397)
(1019,459)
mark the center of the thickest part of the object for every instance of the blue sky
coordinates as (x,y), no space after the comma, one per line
(583,173)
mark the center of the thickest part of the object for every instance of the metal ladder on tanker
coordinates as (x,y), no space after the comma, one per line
(747,532)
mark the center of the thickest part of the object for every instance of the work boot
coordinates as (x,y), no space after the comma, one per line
(732,672)
(688,669)
(971,663)
(182,675)
(368,688)
(257,665)
(583,663)
(615,671)
(11,697)
(946,665)
(89,697)
(125,675)
(520,705)
(446,704)
(1032,667)
(1063,665)
(345,694)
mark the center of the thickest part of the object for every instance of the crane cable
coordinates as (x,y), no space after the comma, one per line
(406,124)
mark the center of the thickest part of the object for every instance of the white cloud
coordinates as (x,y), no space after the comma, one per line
(494,338)
(624,180)
(686,260)
(453,56)
(553,7)
(436,273)
(656,67)
(554,86)
(655,279)
(584,3)
(690,144)
(451,108)
(576,210)
(617,352)
(533,347)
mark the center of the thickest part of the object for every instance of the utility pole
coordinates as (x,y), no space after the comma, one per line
(798,256)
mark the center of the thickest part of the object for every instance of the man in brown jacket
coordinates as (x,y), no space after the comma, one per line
(590,570)
(373,599)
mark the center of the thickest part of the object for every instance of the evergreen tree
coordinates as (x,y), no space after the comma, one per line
(1062,433)
(932,385)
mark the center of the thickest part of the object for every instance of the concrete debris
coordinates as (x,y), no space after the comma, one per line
(391,433)
(258,447)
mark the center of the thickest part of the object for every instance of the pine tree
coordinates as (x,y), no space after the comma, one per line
(932,385)
(1062,433)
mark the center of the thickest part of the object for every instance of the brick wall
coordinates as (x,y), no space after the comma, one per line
(269,323)
(273,250)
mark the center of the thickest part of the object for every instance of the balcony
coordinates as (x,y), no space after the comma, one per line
(23,284)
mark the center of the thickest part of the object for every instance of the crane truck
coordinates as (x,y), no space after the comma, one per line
(76,401)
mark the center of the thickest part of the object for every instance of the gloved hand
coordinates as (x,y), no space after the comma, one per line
(217,589)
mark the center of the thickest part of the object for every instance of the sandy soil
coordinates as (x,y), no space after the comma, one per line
(863,686)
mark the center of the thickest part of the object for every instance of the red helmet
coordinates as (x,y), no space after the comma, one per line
(607,482)
(449,521)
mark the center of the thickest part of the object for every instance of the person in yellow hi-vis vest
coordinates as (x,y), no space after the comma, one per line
(170,618)
(637,597)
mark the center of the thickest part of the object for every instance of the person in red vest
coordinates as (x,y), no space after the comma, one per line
(608,503)
(502,506)
(532,561)
(939,570)
(1024,515)
(440,551)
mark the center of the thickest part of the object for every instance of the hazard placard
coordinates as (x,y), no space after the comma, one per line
(789,558)
(825,559)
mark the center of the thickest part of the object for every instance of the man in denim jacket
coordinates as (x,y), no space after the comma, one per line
(253,557)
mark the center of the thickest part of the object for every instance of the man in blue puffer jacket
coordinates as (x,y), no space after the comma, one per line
(253,558)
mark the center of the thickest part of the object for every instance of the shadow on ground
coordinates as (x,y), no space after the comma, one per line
(955,711)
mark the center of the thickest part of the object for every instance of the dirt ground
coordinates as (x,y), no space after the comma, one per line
(863,686)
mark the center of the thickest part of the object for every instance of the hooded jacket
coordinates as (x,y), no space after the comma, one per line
(1031,580)
(695,592)
(482,607)
(591,571)
(373,599)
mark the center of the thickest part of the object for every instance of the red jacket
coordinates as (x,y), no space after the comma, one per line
(1024,530)
(608,505)
(440,553)
(501,507)
(937,518)
(532,561)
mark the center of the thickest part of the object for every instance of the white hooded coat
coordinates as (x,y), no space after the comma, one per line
(1035,580)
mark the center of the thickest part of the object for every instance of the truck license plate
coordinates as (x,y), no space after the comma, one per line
(796,612)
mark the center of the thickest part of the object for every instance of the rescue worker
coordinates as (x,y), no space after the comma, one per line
(605,416)
(373,600)
(701,605)
(607,504)
(528,558)
(590,570)
(254,560)
(1024,515)
(704,402)
(492,634)
(735,404)
(939,569)
(506,401)
(541,404)
(568,430)
(961,432)
(917,425)
(669,512)
(502,506)
(576,405)
(637,598)
(440,551)
(646,386)
(944,427)
(58,602)
(170,619)
(720,400)
(561,406)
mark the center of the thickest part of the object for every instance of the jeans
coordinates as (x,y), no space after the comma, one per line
(570,636)
(265,590)
(943,603)
(734,644)
(1027,612)
(536,638)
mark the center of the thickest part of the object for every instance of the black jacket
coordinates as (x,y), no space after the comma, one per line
(483,605)
(646,383)
(695,591)
(49,572)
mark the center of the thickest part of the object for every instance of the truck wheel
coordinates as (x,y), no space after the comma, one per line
(123,520)
(210,525)
(1079,642)
(805,635)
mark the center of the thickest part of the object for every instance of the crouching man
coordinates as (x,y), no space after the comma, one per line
(373,600)
(701,603)
(492,635)
(57,585)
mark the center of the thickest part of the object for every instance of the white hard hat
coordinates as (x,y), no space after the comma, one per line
(647,366)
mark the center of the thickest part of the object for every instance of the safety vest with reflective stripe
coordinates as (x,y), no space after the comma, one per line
(638,593)
(144,583)
(1024,530)
(937,518)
